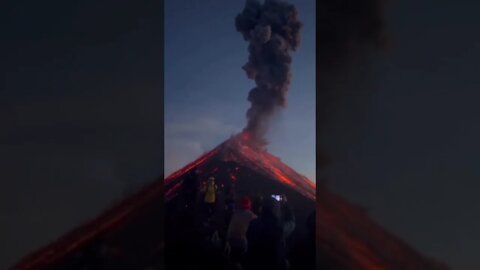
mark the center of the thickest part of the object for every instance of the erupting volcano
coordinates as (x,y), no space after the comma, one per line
(346,237)
(240,150)
(130,235)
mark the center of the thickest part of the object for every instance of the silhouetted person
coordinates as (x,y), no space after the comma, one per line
(210,197)
(257,204)
(288,217)
(237,230)
(190,188)
(230,205)
(265,236)
(304,255)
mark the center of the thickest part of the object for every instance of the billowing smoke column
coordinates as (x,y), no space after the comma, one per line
(273,30)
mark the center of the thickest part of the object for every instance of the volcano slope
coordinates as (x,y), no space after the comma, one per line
(346,237)
(235,165)
(133,233)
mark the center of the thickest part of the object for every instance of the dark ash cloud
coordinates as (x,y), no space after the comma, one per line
(273,31)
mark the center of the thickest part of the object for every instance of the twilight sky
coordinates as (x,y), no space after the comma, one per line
(206,90)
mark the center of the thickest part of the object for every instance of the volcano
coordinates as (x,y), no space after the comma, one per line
(130,235)
(346,237)
(238,159)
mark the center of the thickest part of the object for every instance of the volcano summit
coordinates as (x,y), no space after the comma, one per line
(130,235)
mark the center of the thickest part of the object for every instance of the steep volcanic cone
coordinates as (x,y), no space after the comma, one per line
(346,237)
(240,151)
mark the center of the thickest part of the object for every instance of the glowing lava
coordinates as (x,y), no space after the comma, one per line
(191,166)
(240,150)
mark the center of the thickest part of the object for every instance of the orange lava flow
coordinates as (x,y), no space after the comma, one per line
(272,166)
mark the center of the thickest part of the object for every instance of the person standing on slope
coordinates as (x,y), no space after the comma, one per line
(210,198)
(237,229)
(265,236)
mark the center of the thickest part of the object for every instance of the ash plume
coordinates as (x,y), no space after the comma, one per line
(272,29)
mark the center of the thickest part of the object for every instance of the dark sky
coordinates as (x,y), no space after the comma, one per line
(81,113)
(404,134)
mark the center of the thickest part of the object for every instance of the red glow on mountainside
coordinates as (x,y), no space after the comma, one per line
(190,166)
(269,164)
(245,136)
(240,150)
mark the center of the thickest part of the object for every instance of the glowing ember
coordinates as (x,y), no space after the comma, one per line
(239,150)
(245,136)
(233,177)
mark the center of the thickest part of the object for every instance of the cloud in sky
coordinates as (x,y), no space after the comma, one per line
(186,140)
(201,127)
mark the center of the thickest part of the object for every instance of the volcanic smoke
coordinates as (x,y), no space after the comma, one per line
(273,32)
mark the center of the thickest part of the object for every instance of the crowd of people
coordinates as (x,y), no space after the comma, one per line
(248,232)
(210,227)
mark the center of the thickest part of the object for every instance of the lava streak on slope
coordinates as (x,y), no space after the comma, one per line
(239,150)
(189,167)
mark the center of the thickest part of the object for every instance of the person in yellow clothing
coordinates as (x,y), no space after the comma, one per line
(210,198)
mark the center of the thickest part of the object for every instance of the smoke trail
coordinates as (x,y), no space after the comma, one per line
(273,31)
